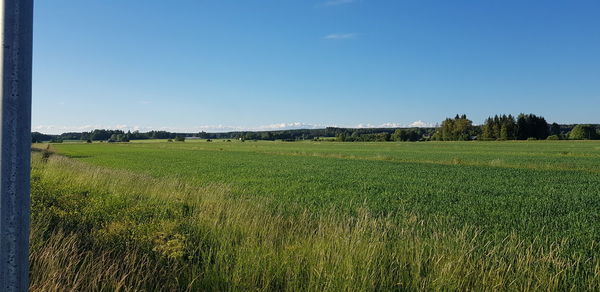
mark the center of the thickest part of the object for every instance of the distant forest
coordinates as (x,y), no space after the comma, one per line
(459,128)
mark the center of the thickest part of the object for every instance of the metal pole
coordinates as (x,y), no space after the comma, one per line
(15,143)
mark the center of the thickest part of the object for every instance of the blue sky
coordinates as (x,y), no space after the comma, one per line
(220,65)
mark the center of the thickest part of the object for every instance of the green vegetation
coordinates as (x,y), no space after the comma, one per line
(500,128)
(458,129)
(531,126)
(514,215)
(116,138)
(584,132)
(525,127)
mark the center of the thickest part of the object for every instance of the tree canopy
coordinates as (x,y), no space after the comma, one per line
(584,132)
(532,126)
(499,128)
(458,129)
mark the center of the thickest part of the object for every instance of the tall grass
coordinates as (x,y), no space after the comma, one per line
(99,229)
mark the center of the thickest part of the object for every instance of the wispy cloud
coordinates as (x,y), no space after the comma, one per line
(384,125)
(57,129)
(340,36)
(415,124)
(54,129)
(271,127)
(421,124)
(337,2)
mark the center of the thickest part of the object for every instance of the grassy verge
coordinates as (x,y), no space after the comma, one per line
(96,228)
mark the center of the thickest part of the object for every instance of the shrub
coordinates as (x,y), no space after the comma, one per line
(553,137)
(583,132)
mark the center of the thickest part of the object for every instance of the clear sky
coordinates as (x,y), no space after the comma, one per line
(221,65)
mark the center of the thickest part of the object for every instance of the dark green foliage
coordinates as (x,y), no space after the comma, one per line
(555,129)
(499,128)
(37,137)
(406,135)
(584,132)
(377,137)
(361,134)
(351,134)
(105,134)
(118,138)
(458,129)
(203,135)
(532,126)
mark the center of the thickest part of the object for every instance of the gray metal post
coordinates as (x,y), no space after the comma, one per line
(15,143)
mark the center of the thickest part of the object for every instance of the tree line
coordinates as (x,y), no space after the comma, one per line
(459,128)
(106,135)
(362,134)
(413,134)
(507,127)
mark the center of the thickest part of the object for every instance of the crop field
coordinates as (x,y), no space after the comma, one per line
(317,215)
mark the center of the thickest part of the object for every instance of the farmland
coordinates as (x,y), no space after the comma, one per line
(318,215)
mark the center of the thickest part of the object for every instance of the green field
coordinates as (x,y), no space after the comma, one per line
(323,215)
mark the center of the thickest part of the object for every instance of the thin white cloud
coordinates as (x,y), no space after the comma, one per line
(337,2)
(384,125)
(54,129)
(271,127)
(415,124)
(390,125)
(286,126)
(421,124)
(340,36)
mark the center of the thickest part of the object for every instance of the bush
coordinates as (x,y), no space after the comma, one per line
(553,137)
(583,132)
(531,139)
(180,139)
